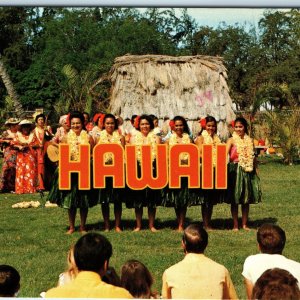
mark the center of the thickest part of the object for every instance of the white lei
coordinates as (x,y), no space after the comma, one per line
(245,151)
(174,139)
(214,141)
(23,140)
(8,134)
(106,138)
(139,139)
(75,140)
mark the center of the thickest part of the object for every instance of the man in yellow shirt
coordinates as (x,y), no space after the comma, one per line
(91,253)
(197,276)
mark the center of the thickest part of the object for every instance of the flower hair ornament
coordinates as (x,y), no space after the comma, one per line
(203,122)
(136,122)
(232,123)
(98,119)
(172,124)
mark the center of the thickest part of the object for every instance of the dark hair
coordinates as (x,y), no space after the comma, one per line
(107,116)
(111,277)
(185,125)
(132,119)
(40,116)
(153,117)
(9,281)
(195,239)
(91,251)
(136,278)
(86,113)
(79,115)
(208,119)
(276,284)
(271,238)
(149,119)
(244,123)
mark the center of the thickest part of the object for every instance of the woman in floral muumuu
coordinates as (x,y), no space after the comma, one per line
(243,182)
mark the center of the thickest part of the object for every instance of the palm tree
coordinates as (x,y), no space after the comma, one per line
(10,89)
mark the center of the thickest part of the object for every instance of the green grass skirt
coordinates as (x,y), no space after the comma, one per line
(243,187)
(73,198)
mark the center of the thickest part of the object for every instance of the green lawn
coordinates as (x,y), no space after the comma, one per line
(34,240)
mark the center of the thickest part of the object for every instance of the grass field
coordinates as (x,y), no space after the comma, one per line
(34,240)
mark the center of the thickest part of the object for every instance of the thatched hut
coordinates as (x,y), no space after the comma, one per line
(191,86)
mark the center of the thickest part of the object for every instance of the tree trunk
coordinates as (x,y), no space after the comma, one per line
(10,89)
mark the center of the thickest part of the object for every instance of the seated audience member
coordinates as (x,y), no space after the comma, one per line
(276,284)
(197,276)
(91,253)
(271,240)
(72,271)
(9,281)
(136,278)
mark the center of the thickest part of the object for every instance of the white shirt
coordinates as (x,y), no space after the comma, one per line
(255,265)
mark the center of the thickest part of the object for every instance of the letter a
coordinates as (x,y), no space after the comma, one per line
(115,170)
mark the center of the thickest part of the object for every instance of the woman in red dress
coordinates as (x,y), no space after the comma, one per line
(42,133)
(26,166)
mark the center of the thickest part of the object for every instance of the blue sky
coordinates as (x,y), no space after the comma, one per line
(231,16)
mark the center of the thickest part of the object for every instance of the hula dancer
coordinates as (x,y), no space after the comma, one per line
(243,182)
(179,198)
(208,136)
(146,197)
(110,135)
(74,198)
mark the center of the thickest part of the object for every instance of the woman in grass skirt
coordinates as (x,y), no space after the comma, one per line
(208,136)
(243,182)
(110,135)
(146,197)
(74,198)
(179,198)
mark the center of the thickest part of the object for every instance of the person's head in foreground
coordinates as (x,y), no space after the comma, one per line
(92,253)
(276,284)
(9,281)
(271,239)
(136,278)
(195,239)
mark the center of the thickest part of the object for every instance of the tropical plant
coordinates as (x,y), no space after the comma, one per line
(10,89)
(76,90)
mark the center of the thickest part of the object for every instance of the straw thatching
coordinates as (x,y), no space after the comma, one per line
(191,86)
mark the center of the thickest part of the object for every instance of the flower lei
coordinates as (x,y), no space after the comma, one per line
(40,133)
(23,140)
(185,140)
(214,141)
(150,139)
(9,134)
(106,138)
(245,151)
(75,140)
